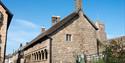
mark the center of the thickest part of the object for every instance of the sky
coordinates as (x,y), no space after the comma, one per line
(31,15)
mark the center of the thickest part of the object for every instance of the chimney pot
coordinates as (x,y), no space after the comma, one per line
(43,29)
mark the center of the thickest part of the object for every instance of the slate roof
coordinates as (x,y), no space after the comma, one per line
(10,15)
(58,26)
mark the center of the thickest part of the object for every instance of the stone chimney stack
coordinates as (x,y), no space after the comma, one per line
(43,29)
(78,4)
(55,19)
(101,34)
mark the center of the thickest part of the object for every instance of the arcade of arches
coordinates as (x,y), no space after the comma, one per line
(37,56)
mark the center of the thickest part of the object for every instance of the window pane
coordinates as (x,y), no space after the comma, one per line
(68,37)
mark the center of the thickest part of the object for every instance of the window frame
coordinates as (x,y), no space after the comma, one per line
(68,37)
(1,17)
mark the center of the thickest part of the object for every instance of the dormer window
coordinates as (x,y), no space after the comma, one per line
(68,37)
(1,17)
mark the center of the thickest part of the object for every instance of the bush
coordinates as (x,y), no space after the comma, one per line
(115,52)
(100,60)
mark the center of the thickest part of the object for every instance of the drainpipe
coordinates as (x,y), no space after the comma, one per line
(50,47)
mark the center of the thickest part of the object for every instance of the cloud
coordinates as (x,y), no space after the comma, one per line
(26,23)
(20,24)
(21,31)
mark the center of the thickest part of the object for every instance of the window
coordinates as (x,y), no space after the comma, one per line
(1,17)
(68,37)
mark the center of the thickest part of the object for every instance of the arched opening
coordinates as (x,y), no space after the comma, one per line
(34,56)
(42,54)
(39,55)
(0,46)
(46,54)
(30,57)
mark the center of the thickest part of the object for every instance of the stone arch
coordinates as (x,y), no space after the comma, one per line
(35,56)
(0,41)
(39,55)
(42,52)
(46,54)
(32,56)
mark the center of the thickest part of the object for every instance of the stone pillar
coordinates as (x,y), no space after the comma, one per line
(31,57)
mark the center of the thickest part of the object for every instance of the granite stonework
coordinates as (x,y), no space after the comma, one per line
(52,46)
(83,41)
(5,19)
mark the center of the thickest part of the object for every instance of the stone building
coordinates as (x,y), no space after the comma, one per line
(73,36)
(16,56)
(12,58)
(5,19)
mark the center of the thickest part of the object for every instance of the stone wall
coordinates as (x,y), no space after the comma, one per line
(3,32)
(83,41)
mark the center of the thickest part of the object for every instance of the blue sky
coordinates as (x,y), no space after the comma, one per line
(31,15)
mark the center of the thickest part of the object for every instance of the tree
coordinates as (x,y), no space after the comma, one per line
(115,52)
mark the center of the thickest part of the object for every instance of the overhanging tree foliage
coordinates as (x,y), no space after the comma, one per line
(115,52)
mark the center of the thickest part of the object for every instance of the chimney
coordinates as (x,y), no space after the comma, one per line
(101,34)
(21,45)
(78,4)
(43,29)
(27,43)
(100,26)
(55,19)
